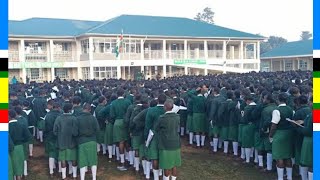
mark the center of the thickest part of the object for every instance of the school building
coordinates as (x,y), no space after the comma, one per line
(296,55)
(41,49)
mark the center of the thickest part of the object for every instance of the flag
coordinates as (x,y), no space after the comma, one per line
(119,44)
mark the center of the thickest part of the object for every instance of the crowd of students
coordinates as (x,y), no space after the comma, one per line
(259,118)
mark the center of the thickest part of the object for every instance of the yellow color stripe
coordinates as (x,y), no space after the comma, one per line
(316,90)
(4,90)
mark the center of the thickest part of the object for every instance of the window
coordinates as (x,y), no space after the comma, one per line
(85,46)
(35,47)
(303,65)
(85,73)
(105,72)
(62,46)
(35,74)
(61,73)
(104,45)
(288,65)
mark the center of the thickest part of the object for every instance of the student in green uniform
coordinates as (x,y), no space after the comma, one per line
(39,108)
(281,137)
(77,109)
(248,127)
(152,152)
(234,118)
(31,122)
(213,117)
(294,93)
(11,148)
(100,139)
(264,129)
(120,134)
(49,138)
(88,129)
(169,141)
(301,113)
(19,134)
(66,129)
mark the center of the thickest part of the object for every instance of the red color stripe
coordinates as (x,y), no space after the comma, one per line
(316,116)
(4,116)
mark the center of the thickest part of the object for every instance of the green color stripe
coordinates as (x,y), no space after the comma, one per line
(4,106)
(316,74)
(316,105)
(3,74)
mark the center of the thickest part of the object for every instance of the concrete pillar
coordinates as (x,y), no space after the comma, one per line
(271,66)
(224,50)
(254,51)
(51,45)
(185,49)
(241,50)
(170,71)
(91,57)
(169,50)
(205,71)
(142,49)
(164,49)
(149,49)
(205,49)
(185,70)
(164,71)
(118,71)
(78,52)
(231,52)
(22,60)
(258,50)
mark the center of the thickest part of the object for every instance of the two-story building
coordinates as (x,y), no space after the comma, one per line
(41,48)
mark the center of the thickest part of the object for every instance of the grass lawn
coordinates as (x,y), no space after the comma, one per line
(197,164)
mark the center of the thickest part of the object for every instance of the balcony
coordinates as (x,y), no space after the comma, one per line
(153,54)
(37,57)
(215,54)
(175,54)
(13,56)
(62,56)
(84,57)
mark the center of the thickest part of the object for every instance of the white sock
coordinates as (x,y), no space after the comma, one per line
(38,137)
(131,157)
(310,175)
(280,173)
(126,155)
(156,174)
(144,166)
(220,143)
(182,131)
(59,164)
(64,173)
(304,173)
(198,140)
(235,148)
(104,149)
(148,167)
(252,152)
(289,173)
(41,136)
(122,158)
(118,153)
(151,166)
(94,172)
(203,138)
(166,177)
(110,151)
(248,153)
(269,161)
(160,172)
(256,160)
(30,149)
(191,138)
(260,158)
(137,163)
(51,165)
(243,154)
(113,150)
(74,171)
(225,146)
(215,144)
(98,147)
(82,173)
(86,168)
(70,167)
(25,168)
(293,161)
(173,178)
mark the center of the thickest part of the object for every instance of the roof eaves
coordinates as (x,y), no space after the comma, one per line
(292,56)
(100,25)
(38,36)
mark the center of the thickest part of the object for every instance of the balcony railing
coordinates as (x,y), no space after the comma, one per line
(13,55)
(249,55)
(36,57)
(63,56)
(84,57)
(153,54)
(215,54)
(175,54)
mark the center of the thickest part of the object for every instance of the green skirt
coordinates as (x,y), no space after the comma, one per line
(10,168)
(51,149)
(215,130)
(224,133)
(69,154)
(120,132)
(189,123)
(136,141)
(307,152)
(142,151)
(40,125)
(87,154)
(240,133)
(169,159)
(282,145)
(26,150)
(18,160)
(100,137)
(199,122)
(298,139)
(233,133)
(257,140)
(108,137)
(247,136)
(152,152)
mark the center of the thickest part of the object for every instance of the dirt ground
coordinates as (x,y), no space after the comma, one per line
(197,164)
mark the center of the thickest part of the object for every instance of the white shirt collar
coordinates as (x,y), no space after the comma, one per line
(169,112)
(174,96)
(160,105)
(139,104)
(216,95)
(252,104)
(13,120)
(283,104)
(200,94)
(120,97)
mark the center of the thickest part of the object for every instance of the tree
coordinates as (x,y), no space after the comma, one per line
(205,16)
(305,35)
(273,42)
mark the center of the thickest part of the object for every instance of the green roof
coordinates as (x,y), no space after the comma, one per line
(130,24)
(296,48)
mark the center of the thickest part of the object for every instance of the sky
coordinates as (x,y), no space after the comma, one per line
(285,18)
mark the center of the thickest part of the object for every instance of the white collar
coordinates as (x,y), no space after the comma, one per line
(252,104)
(13,120)
(27,111)
(175,97)
(169,112)
(120,97)
(131,95)
(160,105)
(200,95)
(139,104)
(283,104)
(216,95)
